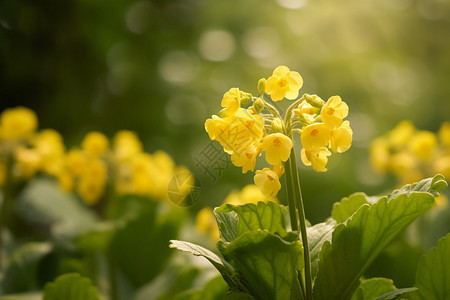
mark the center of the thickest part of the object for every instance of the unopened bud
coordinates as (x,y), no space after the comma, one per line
(245,97)
(314,100)
(258,105)
(277,125)
(261,85)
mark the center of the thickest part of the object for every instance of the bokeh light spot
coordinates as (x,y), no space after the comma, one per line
(292,4)
(216,45)
(178,67)
(138,16)
(261,42)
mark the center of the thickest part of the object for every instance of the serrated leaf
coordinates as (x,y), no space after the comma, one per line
(430,185)
(356,243)
(348,206)
(70,287)
(234,220)
(373,287)
(20,275)
(433,273)
(266,263)
(317,235)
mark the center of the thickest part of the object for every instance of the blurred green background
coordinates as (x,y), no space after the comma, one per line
(160,68)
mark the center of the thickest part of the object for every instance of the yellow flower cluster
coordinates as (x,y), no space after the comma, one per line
(248,126)
(412,154)
(205,222)
(91,169)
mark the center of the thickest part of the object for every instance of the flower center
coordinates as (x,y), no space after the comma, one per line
(314,132)
(276,142)
(330,111)
(270,178)
(282,82)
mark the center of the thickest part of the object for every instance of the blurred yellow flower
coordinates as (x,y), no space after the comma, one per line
(315,136)
(444,134)
(126,144)
(90,190)
(316,157)
(277,147)
(248,194)
(341,138)
(401,134)
(50,146)
(379,154)
(17,123)
(66,181)
(76,161)
(423,144)
(205,223)
(283,83)
(95,143)
(442,165)
(28,162)
(334,111)
(268,181)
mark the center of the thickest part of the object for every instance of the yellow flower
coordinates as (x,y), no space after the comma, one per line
(341,138)
(334,111)
(76,161)
(277,147)
(28,161)
(315,136)
(126,145)
(17,123)
(306,112)
(379,154)
(283,83)
(401,134)
(423,144)
(245,158)
(90,190)
(444,134)
(205,223)
(237,131)
(231,101)
(66,181)
(442,165)
(49,144)
(249,194)
(95,143)
(403,163)
(268,181)
(317,158)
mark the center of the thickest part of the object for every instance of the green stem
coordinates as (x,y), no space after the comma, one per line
(290,196)
(297,192)
(6,205)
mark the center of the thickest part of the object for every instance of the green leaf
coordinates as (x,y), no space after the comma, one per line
(222,266)
(430,185)
(42,202)
(23,296)
(396,294)
(70,286)
(234,220)
(356,243)
(317,235)
(348,206)
(433,273)
(373,287)
(266,262)
(21,272)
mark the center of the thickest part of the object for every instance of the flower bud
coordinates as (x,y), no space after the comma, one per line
(258,105)
(314,100)
(261,85)
(245,97)
(277,125)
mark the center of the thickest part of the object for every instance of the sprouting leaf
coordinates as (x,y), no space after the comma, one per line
(234,220)
(70,286)
(317,235)
(348,206)
(433,273)
(356,243)
(372,288)
(266,262)
(430,185)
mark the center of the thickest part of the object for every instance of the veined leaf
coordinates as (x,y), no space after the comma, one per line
(430,185)
(317,235)
(373,287)
(433,273)
(348,206)
(266,262)
(234,220)
(396,294)
(356,243)
(70,286)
